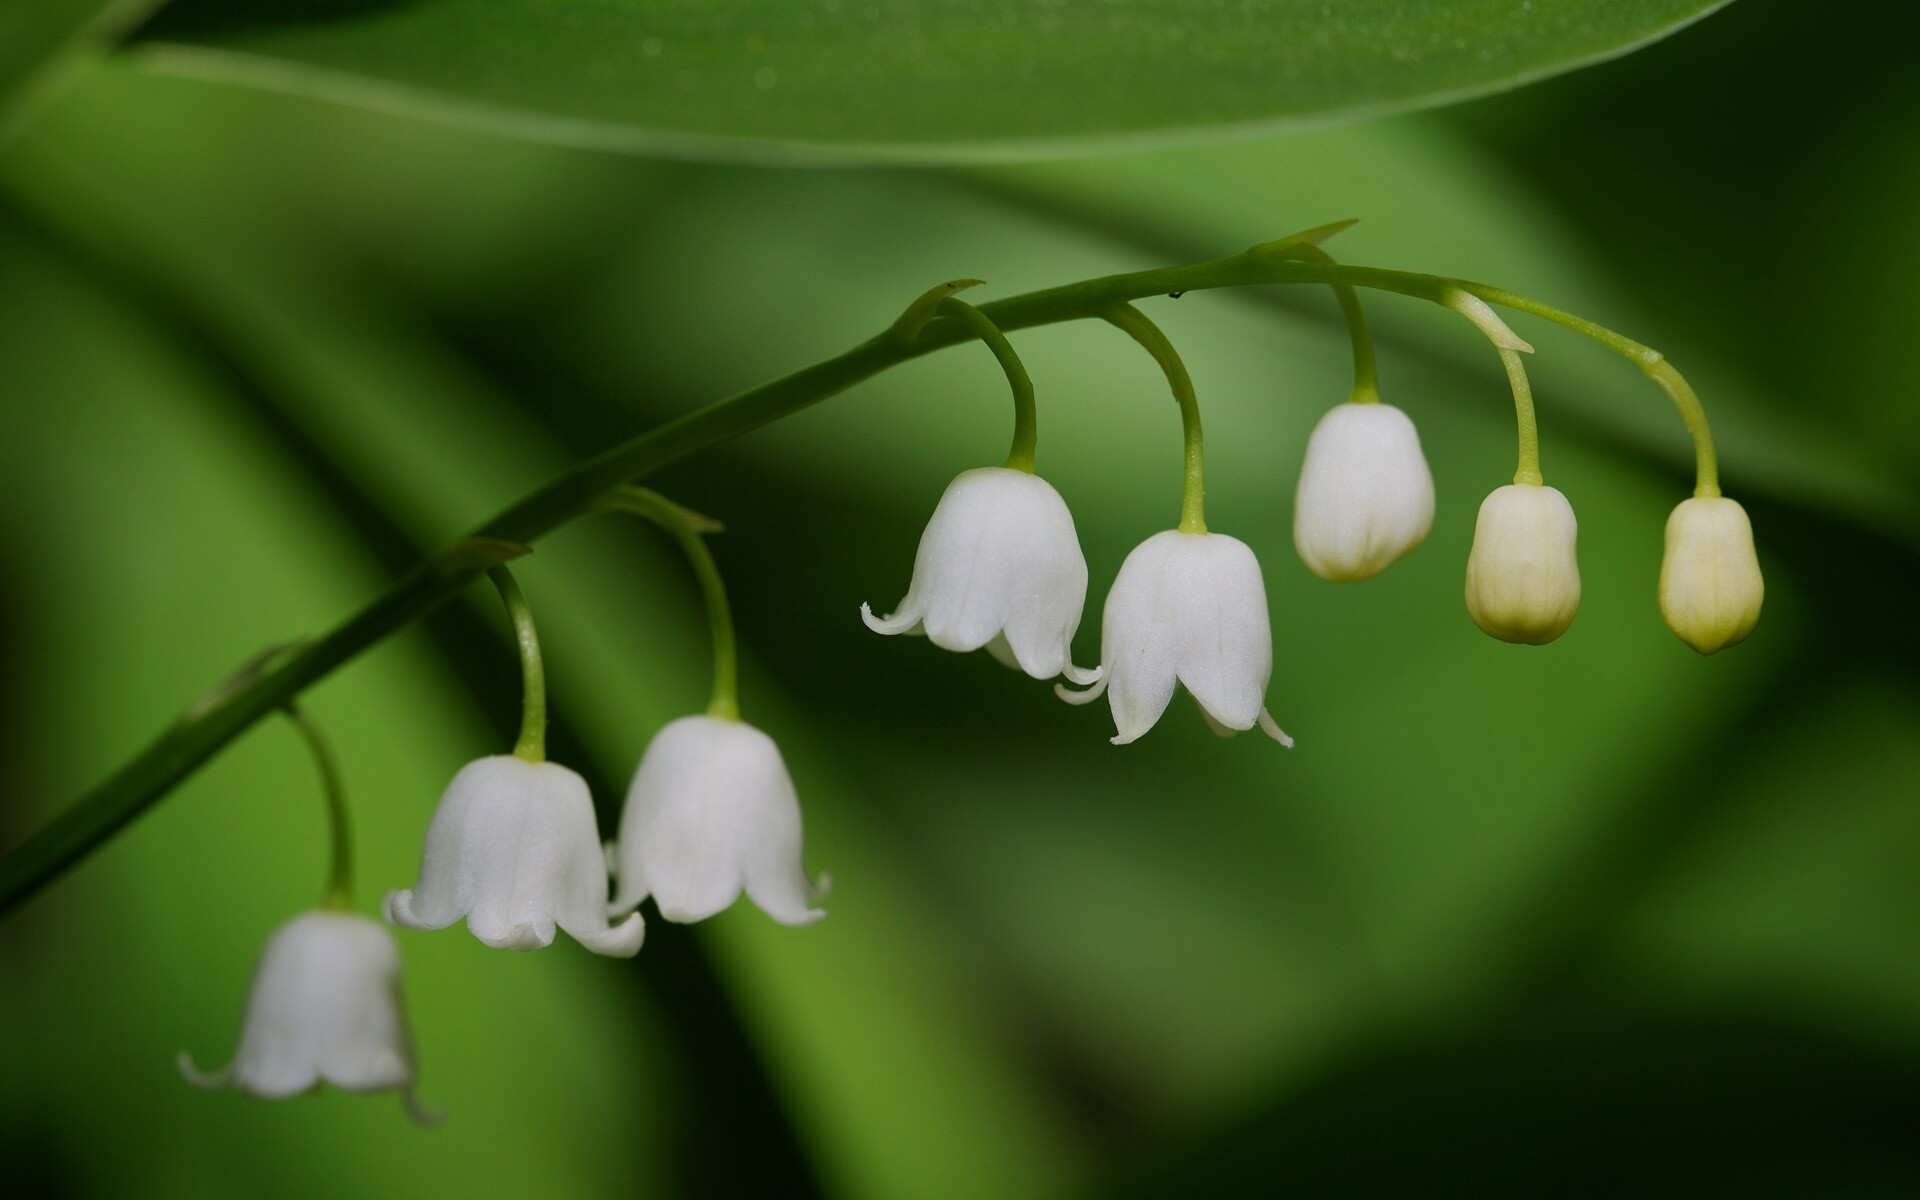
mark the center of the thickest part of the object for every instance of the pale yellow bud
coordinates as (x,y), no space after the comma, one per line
(1710,586)
(1523,583)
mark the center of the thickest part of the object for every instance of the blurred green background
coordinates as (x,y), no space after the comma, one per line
(1603,918)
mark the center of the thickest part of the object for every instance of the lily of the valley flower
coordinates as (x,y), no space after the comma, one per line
(324,1009)
(1365,497)
(1710,585)
(999,566)
(1523,581)
(1187,608)
(513,848)
(713,810)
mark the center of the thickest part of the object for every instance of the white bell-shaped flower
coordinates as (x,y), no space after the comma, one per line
(1188,608)
(1365,497)
(513,848)
(713,810)
(1523,580)
(324,1009)
(999,566)
(1710,585)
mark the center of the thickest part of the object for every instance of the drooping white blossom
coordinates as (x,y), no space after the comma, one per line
(999,566)
(324,1008)
(513,848)
(712,810)
(1710,585)
(1191,609)
(1365,496)
(1523,580)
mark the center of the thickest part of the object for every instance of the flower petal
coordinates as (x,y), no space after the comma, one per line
(398,908)
(903,620)
(207,1080)
(1272,730)
(1225,641)
(618,941)
(1092,693)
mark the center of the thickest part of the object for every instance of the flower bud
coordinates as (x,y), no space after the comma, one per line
(1710,586)
(1365,497)
(1523,584)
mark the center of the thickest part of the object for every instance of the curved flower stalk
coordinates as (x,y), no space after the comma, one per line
(324,1008)
(1365,497)
(999,566)
(1188,609)
(712,811)
(513,849)
(1710,584)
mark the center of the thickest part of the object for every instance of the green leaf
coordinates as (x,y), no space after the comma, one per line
(960,80)
(37,37)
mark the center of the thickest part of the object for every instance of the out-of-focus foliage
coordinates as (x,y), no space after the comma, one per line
(1601,918)
(895,79)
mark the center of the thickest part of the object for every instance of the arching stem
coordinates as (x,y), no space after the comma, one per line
(532,745)
(1193,493)
(1366,382)
(179,750)
(686,528)
(1025,424)
(339,893)
(1510,347)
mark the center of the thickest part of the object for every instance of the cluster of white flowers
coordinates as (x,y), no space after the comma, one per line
(1366,499)
(513,847)
(514,850)
(1000,566)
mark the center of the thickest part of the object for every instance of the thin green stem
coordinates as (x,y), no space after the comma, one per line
(190,741)
(532,745)
(1510,347)
(686,528)
(1527,470)
(339,894)
(1706,467)
(1366,382)
(1193,492)
(1025,425)
(1650,361)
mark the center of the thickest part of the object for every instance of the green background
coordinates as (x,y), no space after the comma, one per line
(1602,918)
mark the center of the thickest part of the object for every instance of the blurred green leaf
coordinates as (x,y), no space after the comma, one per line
(545,1067)
(963,79)
(853,1013)
(38,36)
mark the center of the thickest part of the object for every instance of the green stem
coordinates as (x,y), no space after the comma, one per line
(1025,425)
(532,745)
(181,748)
(1366,382)
(686,528)
(1528,468)
(339,894)
(1650,361)
(1193,491)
